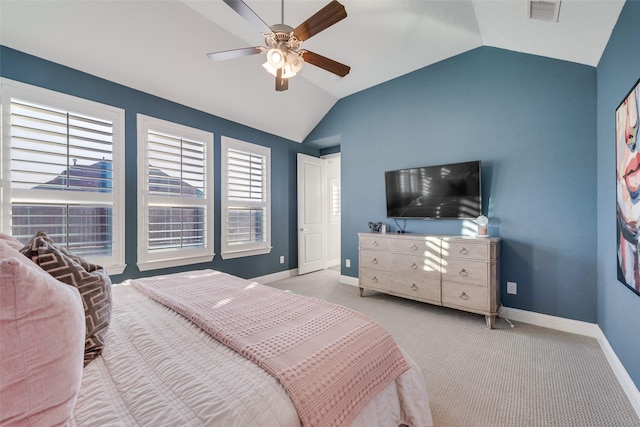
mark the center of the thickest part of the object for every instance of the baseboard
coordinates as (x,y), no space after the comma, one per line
(580,328)
(620,372)
(552,322)
(348,280)
(274,277)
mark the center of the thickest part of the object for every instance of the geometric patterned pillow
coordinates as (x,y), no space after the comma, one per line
(90,279)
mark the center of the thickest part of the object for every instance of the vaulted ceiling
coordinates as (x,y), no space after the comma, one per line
(160,47)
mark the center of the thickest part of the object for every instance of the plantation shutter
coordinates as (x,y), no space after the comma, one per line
(176,170)
(245,199)
(175,204)
(54,150)
(246,194)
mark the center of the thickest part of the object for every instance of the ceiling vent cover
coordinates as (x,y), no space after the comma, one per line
(544,10)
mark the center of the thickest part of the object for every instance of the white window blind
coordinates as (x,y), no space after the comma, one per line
(175,205)
(60,172)
(245,199)
(335,201)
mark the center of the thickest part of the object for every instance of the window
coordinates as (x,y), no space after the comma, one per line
(246,199)
(62,172)
(175,201)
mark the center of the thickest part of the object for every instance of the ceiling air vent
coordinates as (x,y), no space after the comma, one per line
(544,10)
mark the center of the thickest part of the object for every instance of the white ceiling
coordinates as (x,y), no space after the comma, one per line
(160,47)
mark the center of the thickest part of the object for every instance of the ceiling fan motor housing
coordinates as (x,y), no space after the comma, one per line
(282,37)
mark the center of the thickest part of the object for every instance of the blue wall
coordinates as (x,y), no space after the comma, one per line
(530,120)
(618,306)
(28,69)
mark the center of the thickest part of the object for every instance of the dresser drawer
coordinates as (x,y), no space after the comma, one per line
(374,279)
(466,297)
(372,241)
(453,271)
(465,271)
(417,288)
(420,266)
(465,250)
(426,246)
(377,260)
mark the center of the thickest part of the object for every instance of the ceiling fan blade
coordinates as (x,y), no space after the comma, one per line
(321,20)
(282,83)
(234,53)
(325,63)
(249,15)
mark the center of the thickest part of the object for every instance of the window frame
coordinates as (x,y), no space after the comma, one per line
(228,251)
(175,257)
(10,89)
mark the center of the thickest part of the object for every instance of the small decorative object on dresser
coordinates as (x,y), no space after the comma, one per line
(452,271)
(483,230)
(375,226)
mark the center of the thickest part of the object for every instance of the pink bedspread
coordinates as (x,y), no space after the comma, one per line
(331,360)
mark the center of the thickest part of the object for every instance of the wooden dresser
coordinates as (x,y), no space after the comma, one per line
(452,271)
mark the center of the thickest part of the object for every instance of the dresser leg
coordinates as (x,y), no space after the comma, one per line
(361,292)
(490,321)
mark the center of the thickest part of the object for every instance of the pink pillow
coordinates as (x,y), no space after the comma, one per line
(11,241)
(42,330)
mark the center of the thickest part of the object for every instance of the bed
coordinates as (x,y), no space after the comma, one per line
(158,367)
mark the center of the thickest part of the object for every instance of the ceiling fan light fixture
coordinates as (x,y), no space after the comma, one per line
(270,68)
(287,72)
(294,62)
(275,58)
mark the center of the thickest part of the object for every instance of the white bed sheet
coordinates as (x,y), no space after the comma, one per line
(159,369)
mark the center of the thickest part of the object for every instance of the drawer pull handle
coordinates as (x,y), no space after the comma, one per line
(464,295)
(414,287)
(414,266)
(375,243)
(464,251)
(375,260)
(463,272)
(375,279)
(414,247)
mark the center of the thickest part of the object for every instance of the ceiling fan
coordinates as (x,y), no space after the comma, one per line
(284,56)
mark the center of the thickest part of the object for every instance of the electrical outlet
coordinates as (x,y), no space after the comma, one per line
(347,263)
(512,288)
(281,259)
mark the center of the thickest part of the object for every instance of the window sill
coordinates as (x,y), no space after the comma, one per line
(154,265)
(244,252)
(113,270)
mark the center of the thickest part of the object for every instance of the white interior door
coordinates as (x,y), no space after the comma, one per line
(311,214)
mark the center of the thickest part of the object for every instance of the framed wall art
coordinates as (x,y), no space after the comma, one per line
(628,189)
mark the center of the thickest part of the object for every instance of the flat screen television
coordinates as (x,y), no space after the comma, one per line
(450,191)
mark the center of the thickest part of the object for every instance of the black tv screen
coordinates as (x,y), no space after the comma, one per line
(449,191)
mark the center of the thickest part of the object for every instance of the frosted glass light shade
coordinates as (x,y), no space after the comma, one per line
(269,68)
(294,62)
(275,57)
